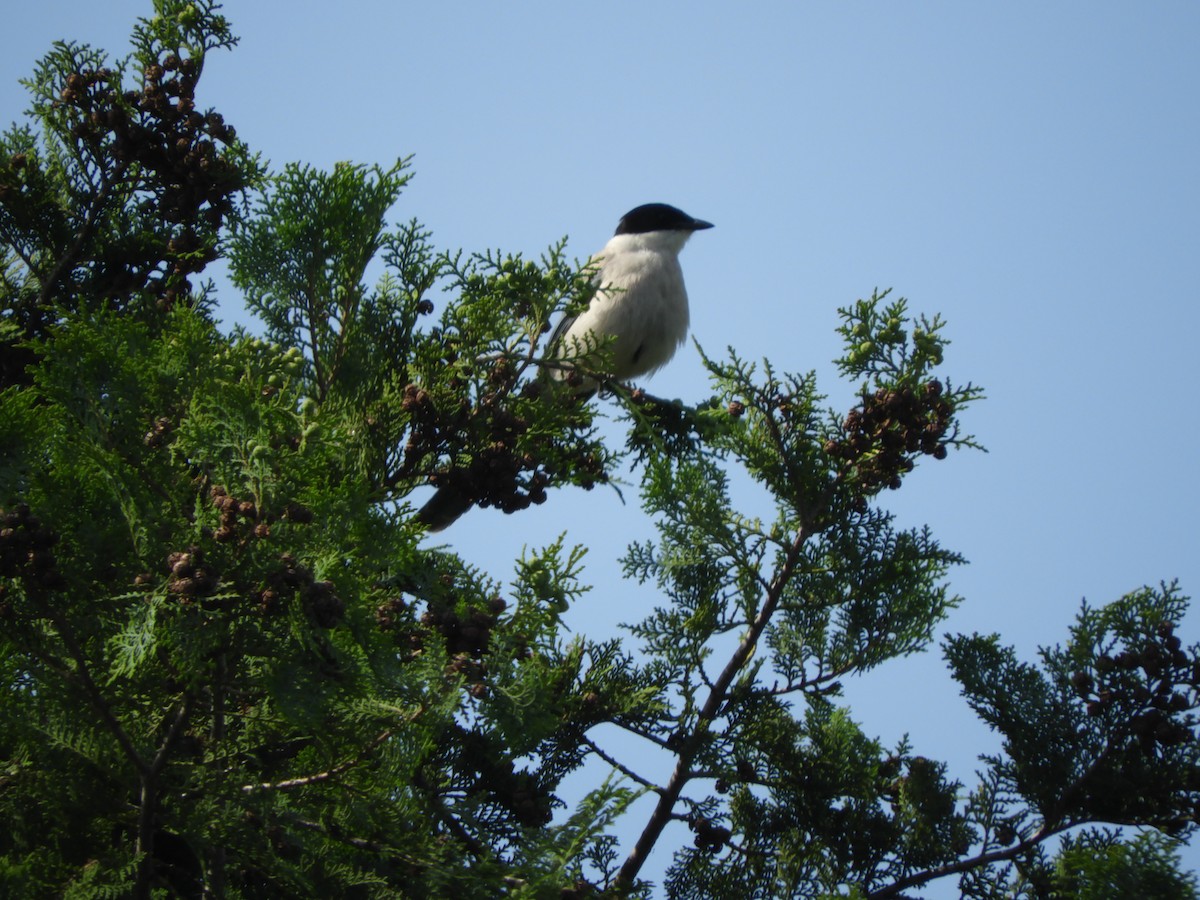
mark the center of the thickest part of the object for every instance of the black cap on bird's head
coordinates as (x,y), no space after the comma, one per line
(658,217)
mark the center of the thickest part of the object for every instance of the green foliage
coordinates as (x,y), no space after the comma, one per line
(230,667)
(1096,866)
(1103,731)
(121,193)
(301,260)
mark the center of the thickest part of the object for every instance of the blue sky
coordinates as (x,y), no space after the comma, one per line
(1028,170)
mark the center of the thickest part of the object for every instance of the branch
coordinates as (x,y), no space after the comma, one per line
(636,731)
(624,770)
(148,801)
(447,818)
(820,684)
(1046,831)
(91,219)
(716,698)
(356,842)
(371,846)
(319,776)
(963,865)
(173,733)
(83,674)
(309,302)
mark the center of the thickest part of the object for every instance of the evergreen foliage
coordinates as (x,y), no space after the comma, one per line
(230,669)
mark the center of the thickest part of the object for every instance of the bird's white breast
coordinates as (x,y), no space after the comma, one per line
(641,302)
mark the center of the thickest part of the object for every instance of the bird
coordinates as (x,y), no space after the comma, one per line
(640,304)
(638,314)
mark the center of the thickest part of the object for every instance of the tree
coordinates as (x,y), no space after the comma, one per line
(231,669)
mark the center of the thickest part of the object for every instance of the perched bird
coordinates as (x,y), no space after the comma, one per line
(639,315)
(640,308)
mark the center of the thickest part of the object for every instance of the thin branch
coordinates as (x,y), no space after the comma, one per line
(644,735)
(963,865)
(447,818)
(11,240)
(90,221)
(623,769)
(712,706)
(1009,853)
(820,683)
(148,800)
(319,776)
(84,675)
(356,842)
(181,719)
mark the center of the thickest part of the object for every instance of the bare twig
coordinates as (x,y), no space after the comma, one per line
(623,769)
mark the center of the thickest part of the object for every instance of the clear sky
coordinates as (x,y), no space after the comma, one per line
(1029,170)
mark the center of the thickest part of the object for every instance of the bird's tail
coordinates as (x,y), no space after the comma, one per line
(443,508)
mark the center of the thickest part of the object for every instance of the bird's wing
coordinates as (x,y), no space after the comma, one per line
(565,323)
(560,331)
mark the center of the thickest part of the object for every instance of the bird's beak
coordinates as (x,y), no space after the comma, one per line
(700,224)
